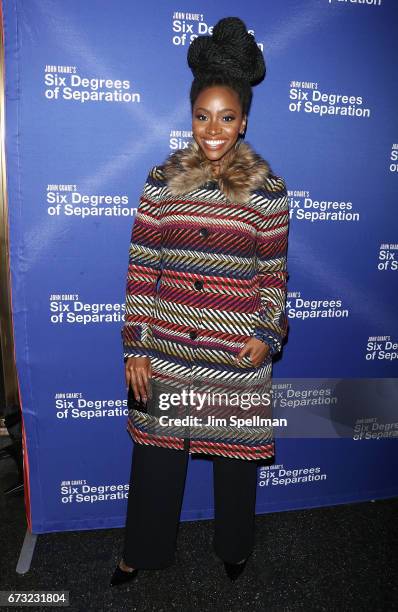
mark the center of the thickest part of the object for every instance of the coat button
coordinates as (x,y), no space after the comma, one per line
(198,284)
(193,335)
(204,232)
(212,184)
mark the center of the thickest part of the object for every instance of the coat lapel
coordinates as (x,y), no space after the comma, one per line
(188,169)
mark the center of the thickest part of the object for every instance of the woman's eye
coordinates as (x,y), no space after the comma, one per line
(229,118)
(200,116)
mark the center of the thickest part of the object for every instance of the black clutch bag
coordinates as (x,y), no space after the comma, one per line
(133,404)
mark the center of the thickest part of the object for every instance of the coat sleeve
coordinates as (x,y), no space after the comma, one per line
(143,271)
(271,322)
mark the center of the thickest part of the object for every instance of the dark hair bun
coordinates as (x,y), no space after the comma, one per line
(229,49)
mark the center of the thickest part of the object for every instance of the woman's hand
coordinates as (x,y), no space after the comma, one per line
(138,372)
(256,350)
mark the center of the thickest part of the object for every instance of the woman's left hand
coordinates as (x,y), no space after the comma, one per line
(256,350)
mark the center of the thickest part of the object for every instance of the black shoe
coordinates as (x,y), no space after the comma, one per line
(234,570)
(120,576)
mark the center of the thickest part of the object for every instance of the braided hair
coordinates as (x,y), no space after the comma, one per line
(229,57)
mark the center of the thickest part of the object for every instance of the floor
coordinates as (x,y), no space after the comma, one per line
(337,558)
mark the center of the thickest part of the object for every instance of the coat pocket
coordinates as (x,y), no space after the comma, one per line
(244,364)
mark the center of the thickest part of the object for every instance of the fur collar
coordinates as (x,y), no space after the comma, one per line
(245,170)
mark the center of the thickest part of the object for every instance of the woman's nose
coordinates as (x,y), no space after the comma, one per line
(212,127)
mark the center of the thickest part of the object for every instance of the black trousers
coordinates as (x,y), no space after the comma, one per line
(157,483)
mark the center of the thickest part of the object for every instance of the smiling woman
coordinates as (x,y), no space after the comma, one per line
(212,227)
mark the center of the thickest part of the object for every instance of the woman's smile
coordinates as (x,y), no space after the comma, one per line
(214,145)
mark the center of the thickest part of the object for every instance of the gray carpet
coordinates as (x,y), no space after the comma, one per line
(337,558)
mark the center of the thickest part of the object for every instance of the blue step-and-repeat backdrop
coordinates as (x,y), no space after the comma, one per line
(97,93)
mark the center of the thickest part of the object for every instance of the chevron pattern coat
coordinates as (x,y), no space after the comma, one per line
(207,271)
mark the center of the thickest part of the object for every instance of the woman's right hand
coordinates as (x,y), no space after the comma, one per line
(138,372)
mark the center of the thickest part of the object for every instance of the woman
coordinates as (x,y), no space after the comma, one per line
(205,313)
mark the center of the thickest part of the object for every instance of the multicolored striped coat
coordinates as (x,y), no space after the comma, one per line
(207,271)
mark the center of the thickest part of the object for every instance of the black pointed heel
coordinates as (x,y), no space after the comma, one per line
(234,570)
(120,576)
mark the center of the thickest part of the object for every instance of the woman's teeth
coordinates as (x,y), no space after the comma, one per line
(214,143)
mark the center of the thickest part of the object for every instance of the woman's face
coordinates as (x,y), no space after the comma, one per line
(217,120)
